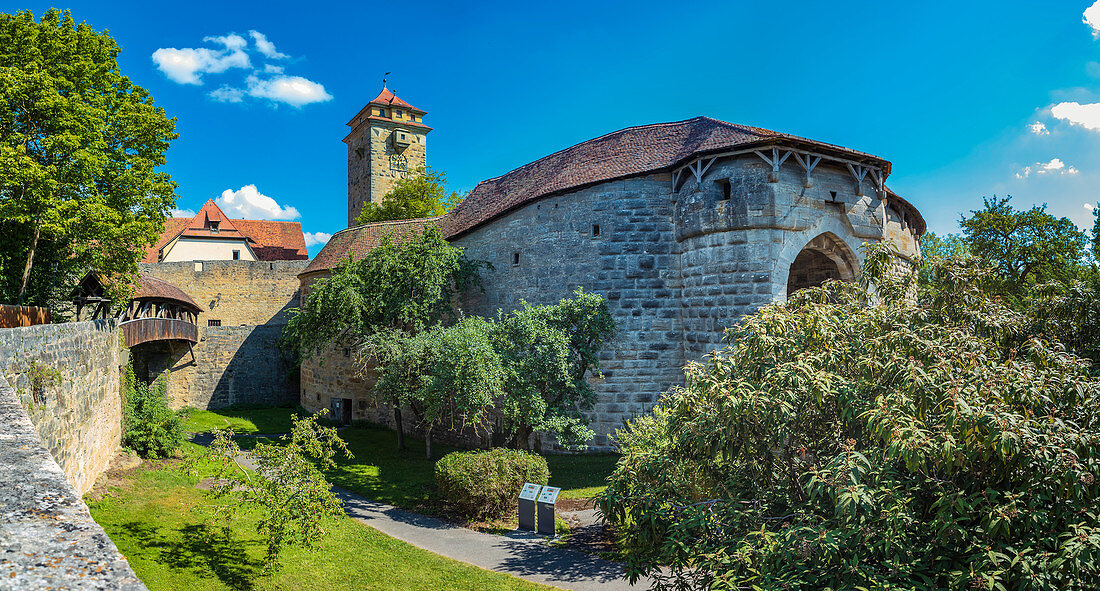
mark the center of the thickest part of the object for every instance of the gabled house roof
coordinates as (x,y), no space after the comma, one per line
(268,240)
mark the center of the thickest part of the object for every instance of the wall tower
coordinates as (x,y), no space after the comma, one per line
(388,140)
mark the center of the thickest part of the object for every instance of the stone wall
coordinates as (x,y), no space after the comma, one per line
(48,539)
(232,365)
(240,361)
(67,377)
(235,292)
(632,258)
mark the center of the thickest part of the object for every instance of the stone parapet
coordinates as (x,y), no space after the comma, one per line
(48,539)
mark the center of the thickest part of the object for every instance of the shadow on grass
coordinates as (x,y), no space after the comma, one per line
(201,549)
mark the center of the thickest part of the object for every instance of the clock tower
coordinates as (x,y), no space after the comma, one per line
(388,141)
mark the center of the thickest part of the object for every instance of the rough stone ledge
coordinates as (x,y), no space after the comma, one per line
(48,539)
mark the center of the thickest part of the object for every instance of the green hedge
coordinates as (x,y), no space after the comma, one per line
(486,483)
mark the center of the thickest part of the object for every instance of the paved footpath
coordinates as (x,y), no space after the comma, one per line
(522,554)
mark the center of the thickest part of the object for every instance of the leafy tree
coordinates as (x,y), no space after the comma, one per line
(79,147)
(398,289)
(1096,233)
(283,482)
(443,373)
(423,194)
(1026,247)
(928,442)
(547,352)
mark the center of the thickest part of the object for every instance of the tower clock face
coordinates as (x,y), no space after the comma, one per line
(399,163)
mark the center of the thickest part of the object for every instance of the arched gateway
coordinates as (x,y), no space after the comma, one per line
(824,258)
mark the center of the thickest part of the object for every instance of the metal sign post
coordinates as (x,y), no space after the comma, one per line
(546,500)
(527,496)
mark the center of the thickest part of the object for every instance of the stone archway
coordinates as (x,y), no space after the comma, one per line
(824,258)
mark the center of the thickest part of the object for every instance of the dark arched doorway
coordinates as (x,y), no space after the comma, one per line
(823,259)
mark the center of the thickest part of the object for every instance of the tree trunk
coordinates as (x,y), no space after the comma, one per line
(30,261)
(400,427)
(523,434)
(428,442)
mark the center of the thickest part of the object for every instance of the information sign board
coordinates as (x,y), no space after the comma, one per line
(530,491)
(549,495)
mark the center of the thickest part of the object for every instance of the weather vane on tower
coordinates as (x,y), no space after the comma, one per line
(384,77)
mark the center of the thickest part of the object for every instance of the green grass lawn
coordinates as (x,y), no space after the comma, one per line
(402,478)
(406,479)
(151,517)
(245,420)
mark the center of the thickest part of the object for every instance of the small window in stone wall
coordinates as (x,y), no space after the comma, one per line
(347,352)
(213,322)
(236,255)
(362,405)
(595,230)
(515,259)
(724,189)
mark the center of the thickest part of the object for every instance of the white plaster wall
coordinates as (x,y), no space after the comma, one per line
(206,249)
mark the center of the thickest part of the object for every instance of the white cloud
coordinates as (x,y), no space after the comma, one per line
(187,65)
(292,90)
(315,238)
(1087,115)
(249,203)
(1038,128)
(1090,207)
(266,47)
(182,213)
(1092,18)
(1054,167)
(227,94)
(232,41)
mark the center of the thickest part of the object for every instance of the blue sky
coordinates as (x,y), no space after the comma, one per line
(949,92)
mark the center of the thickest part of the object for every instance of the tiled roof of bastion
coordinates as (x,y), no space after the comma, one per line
(625,153)
(357,240)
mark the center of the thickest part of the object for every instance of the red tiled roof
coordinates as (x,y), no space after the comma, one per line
(358,240)
(388,99)
(148,287)
(627,152)
(275,241)
(269,240)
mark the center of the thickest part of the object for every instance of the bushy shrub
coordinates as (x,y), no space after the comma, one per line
(486,483)
(149,426)
(924,441)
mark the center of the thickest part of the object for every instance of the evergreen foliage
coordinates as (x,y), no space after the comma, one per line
(925,442)
(484,483)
